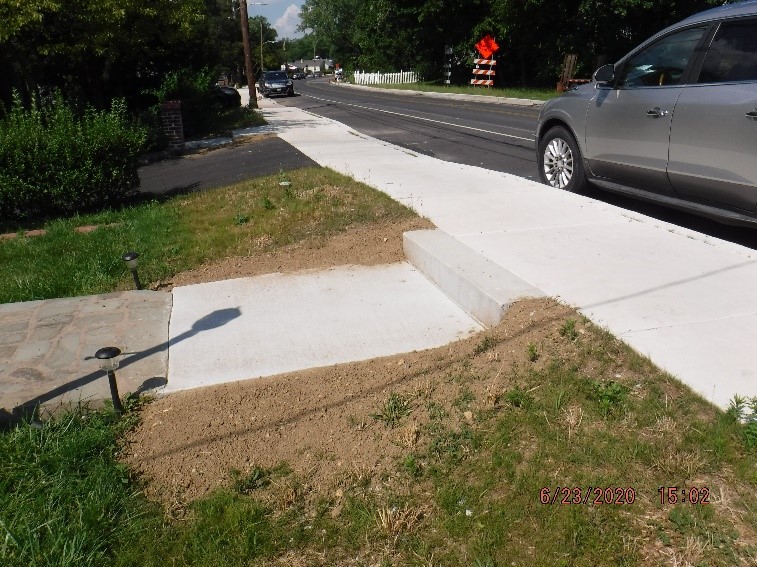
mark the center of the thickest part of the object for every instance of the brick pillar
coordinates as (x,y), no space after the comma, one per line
(173,128)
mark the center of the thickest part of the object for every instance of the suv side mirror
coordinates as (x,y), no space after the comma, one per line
(604,74)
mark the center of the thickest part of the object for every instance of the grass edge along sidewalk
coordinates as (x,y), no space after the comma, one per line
(179,233)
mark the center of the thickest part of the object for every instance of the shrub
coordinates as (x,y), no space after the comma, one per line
(53,162)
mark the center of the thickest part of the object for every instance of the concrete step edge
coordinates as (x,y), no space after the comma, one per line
(481,287)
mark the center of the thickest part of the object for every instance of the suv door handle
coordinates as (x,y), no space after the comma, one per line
(656,112)
(752,115)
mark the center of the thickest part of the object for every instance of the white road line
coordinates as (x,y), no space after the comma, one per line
(420,118)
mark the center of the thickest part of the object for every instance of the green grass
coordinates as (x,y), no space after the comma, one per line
(394,408)
(183,232)
(472,494)
(64,499)
(485,344)
(533,352)
(561,427)
(509,92)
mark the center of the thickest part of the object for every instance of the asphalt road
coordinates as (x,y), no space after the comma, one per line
(492,136)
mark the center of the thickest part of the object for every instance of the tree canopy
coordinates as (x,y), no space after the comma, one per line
(95,50)
(98,49)
(534,35)
(15,15)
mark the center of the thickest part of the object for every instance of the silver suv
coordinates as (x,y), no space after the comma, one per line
(674,121)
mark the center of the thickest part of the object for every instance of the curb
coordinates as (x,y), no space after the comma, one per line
(194,146)
(455,96)
(482,288)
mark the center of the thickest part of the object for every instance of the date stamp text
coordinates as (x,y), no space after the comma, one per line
(587,496)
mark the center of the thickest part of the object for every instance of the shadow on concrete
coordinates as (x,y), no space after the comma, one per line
(29,409)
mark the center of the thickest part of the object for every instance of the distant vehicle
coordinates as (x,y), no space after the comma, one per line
(275,83)
(227,97)
(674,121)
(297,76)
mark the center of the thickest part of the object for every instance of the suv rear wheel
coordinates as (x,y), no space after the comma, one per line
(560,161)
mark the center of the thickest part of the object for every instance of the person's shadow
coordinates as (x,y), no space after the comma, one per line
(29,409)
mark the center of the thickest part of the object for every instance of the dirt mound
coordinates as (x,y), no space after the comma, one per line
(331,423)
(366,245)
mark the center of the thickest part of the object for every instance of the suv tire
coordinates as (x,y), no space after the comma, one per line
(560,161)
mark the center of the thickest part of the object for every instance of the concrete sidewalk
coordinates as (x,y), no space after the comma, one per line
(687,301)
(281,323)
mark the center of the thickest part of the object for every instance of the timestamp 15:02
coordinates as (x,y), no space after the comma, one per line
(686,495)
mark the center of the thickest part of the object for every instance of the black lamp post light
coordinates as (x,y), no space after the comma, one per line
(130,258)
(108,358)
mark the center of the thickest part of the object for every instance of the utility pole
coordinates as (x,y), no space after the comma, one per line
(245,23)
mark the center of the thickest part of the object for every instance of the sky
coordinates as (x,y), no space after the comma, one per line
(284,15)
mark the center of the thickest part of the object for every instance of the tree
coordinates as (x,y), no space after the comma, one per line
(95,50)
(333,24)
(15,16)
(301,48)
(534,35)
(271,55)
(218,43)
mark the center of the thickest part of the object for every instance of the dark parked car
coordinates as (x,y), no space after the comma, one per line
(227,97)
(674,121)
(298,76)
(275,83)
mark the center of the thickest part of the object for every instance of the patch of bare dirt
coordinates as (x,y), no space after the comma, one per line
(366,245)
(326,423)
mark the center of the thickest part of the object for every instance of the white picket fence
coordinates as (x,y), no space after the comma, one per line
(400,78)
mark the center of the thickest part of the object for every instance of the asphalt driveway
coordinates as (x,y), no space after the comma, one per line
(255,156)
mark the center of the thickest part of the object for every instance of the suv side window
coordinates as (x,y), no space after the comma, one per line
(732,55)
(661,63)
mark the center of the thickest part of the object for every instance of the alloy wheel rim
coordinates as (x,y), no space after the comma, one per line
(558,163)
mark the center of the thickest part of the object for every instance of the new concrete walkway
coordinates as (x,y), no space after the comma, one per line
(687,301)
(285,322)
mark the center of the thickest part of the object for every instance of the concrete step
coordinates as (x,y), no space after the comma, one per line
(277,323)
(479,286)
